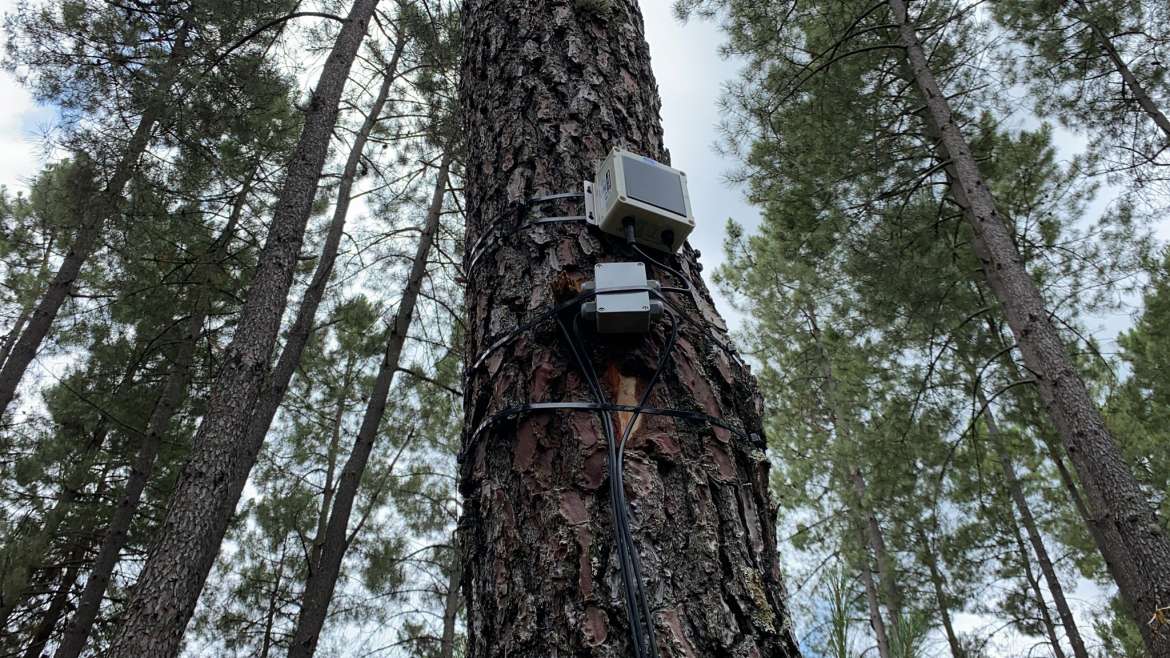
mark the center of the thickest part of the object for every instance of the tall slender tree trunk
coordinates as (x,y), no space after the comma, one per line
(1104,535)
(26,310)
(92,217)
(57,604)
(452,603)
(1037,593)
(942,599)
(1016,491)
(877,542)
(16,586)
(302,325)
(1113,493)
(222,456)
(1127,76)
(174,391)
(546,90)
(873,602)
(870,531)
(323,579)
(273,596)
(330,487)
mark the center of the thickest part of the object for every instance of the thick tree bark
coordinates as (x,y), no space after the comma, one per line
(1016,491)
(1034,585)
(546,90)
(1113,493)
(174,391)
(942,599)
(93,216)
(323,578)
(1134,85)
(222,456)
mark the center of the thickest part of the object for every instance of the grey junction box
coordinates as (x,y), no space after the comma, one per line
(629,311)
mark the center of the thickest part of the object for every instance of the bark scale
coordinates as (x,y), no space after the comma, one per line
(213,478)
(1113,493)
(546,90)
(323,575)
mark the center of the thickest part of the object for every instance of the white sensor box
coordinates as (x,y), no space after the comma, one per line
(653,195)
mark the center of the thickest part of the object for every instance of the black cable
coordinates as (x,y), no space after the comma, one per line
(625,566)
(624,542)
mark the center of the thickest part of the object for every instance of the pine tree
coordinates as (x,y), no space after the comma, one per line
(213,478)
(546,90)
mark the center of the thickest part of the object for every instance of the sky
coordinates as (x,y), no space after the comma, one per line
(690,75)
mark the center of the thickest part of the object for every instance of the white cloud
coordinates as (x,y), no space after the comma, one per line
(21,123)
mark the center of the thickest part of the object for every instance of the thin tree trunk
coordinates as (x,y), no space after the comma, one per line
(1131,82)
(174,391)
(15,587)
(1098,530)
(870,531)
(330,488)
(1031,530)
(877,541)
(1113,493)
(222,457)
(1034,585)
(93,217)
(546,90)
(876,622)
(321,582)
(302,326)
(452,604)
(44,630)
(270,617)
(942,599)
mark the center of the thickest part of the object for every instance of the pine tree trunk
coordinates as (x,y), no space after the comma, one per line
(302,325)
(270,617)
(321,582)
(873,604)
(546,90)
(334,450)
(15,586)
(872,540)
(1098,530)
(1034,585)
(92,217)
(1113,493)
(942,600)
(1032,531)
(1131,82)
(57,605)
(877,542)
(222,456)
(174,391)
(451,605)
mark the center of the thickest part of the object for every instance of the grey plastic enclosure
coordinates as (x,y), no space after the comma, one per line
(650,193)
